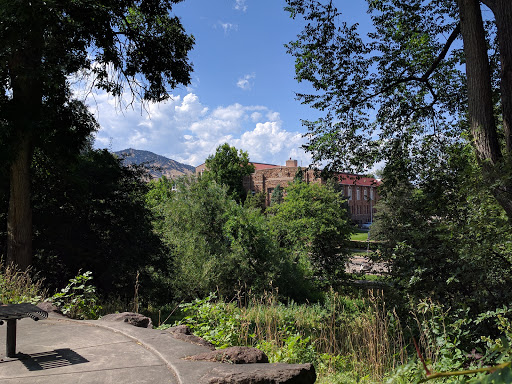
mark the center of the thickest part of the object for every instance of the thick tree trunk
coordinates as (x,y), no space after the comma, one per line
(478,72)
(19,217)
(26,83)
(502,10)
(480,102)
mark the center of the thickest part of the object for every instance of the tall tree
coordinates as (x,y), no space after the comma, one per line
(228,166)
(402,82)
(134,47)
(313,223)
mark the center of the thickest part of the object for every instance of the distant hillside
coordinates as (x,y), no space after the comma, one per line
(158,165)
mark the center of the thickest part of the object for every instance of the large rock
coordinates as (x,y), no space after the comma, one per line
(263,374)
(182,332)
(132,318)
(50,308)
(234,355)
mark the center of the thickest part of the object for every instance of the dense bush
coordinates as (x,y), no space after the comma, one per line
(312,224)
(214,243)
(445,237)
(90,214)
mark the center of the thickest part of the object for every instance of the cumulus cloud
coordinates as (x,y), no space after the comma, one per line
(245,82)
(240,5)
(256,116)
(188,131)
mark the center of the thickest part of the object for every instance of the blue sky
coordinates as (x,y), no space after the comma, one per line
(242,91)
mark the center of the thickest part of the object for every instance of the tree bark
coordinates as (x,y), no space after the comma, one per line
(502,10)
(478,72)
(480,101)
(19,217)
(24,66)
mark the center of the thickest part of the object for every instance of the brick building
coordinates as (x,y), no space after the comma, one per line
(360,191)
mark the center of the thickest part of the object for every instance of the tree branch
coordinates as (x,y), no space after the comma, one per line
(426,75)
(443,52)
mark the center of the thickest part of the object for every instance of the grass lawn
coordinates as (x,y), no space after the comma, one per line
(360,235)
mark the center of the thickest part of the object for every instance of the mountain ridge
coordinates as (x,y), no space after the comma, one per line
(157,165)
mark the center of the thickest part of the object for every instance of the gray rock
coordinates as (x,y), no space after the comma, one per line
(50,308)
(132,318)
(182,332)
(263,374)
(234,355)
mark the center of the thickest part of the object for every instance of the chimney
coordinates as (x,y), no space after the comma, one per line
(291,163)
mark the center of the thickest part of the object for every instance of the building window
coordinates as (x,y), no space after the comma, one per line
(349,189)
(358,191)
(371,193)
(366,193)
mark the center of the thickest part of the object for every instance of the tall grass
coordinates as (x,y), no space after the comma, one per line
(358,336)
(19,287)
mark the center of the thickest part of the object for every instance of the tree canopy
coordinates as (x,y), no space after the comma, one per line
(228,166)
(401,90)
(312,223)
(135,48)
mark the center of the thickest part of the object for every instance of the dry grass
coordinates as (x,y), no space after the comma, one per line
(366,334)
(19,287)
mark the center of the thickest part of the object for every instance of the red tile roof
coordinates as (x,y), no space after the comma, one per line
(361,180)
(259,166)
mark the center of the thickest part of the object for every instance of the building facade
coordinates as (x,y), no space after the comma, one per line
(360,191)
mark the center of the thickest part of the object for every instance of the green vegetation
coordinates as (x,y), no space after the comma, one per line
(348,340)
(359,235)
(443,223)
(19,287)
(132,48)
(78,299)
(228,167)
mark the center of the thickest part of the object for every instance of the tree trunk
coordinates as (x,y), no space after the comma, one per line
(19,217)
(478,72)
(26,83)
(480,102)
(502,10)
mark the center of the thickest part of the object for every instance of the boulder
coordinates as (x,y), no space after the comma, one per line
(182,332)
(233,355)
(50,308)
(132,318)
(263,374)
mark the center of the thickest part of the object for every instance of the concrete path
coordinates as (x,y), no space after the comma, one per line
(59,350)
(63,351)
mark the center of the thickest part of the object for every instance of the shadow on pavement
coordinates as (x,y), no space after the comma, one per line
(52,359)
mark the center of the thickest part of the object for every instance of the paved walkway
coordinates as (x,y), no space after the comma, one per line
(59,350)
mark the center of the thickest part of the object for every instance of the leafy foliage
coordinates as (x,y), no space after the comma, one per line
(446,238)
(389,70)
(214,243)
(312,222)
(277,195)
(130,48)
(228,167)
(78,299)
(90,213)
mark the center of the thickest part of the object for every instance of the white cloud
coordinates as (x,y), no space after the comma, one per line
(240,5)
(188,131)
(245,82)
(227,27)
(256,116)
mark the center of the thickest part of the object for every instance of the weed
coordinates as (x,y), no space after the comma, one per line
(19,287)
(78,299)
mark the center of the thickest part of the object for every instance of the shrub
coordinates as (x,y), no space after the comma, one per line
(78,299)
